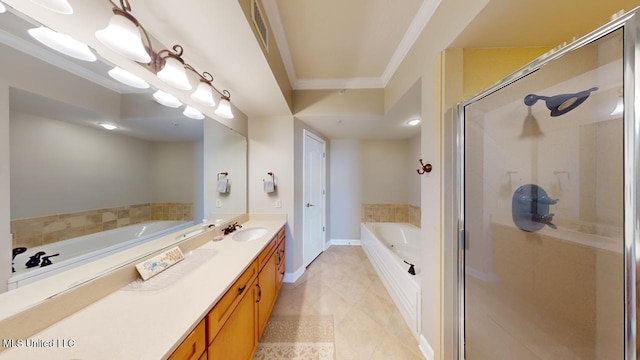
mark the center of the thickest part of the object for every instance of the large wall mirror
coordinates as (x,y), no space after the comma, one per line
(78,191)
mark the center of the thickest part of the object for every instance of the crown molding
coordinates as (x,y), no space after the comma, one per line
(427,9)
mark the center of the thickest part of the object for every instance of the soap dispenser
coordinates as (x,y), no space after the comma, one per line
(218,233)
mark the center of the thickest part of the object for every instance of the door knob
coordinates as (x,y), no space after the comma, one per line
(309,205)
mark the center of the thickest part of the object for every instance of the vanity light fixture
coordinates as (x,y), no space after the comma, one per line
(125,35)
(62,43)
(413,122)
(128,78)
(224,109)
(173,72)
(166,99)
(122,34)
(59,6)
(108,126)
(193,113)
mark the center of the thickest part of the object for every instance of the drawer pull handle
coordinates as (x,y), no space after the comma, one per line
(259,293)
(241,289)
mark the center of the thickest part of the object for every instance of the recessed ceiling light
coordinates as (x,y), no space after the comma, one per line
(128,78)
(108,126)
(193,113)
(2,8)
(166,99)
(62,43)
(413,122)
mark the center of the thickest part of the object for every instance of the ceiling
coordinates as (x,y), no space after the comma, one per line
(329,44)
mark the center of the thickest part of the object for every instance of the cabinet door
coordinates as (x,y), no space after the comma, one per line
(237,339)
(266,291)
(193,346)
(280,261)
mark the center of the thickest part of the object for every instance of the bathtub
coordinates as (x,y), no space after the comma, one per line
(388,246)
(83,249)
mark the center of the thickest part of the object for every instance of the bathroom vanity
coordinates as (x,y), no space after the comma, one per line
(212,305)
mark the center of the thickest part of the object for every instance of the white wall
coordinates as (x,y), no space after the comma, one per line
(58,167)
(413,179)
(346,189)
(384,171)
(224,151)
(271,149)
(173,172)
(6,242)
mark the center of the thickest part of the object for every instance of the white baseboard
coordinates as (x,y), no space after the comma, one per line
(344,242)
(293,277)
(425,348)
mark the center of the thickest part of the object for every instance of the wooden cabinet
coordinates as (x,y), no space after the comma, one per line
(267,287)
(237,339)
(236,322)
(193,347)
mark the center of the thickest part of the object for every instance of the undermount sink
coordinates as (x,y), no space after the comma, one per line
(249,234)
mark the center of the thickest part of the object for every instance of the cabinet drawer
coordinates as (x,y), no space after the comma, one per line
(224,307)
(280,253)
(266,252)
(281,235)
(193,347)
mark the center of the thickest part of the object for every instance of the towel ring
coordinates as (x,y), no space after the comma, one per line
(222,173)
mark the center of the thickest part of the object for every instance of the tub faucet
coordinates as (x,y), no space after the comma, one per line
(412,269)
(34,260)
(46,261)
(16,251)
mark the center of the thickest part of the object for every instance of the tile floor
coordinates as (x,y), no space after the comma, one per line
(341,282)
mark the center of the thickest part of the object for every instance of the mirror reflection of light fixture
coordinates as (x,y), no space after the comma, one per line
(166,99)
(62,43)
(126,36)
(128,78)
(108,126)
(193,113)
(173,72)
(413,122)
(224,109)
(619,109)
(59,6)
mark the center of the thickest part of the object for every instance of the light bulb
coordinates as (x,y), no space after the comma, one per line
(62,43)
(123,37)
(128,78)
(173,73)
(204,94)
(224,109)
(166,99)
(193,113)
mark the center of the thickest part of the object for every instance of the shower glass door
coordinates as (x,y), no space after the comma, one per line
(543,212)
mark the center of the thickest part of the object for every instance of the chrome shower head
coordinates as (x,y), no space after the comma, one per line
(560,104)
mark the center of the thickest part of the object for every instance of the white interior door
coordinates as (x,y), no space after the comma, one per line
(314,197)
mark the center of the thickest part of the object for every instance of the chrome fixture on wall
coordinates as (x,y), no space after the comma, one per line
(126,36)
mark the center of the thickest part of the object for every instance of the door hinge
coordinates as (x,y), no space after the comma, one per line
(324,155)
(323,229)
(463,240)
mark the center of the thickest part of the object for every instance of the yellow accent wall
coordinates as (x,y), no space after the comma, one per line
(484,67)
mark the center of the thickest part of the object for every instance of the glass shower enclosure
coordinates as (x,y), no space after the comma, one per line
(548,171)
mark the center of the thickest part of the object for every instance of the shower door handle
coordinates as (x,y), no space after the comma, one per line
(310,205)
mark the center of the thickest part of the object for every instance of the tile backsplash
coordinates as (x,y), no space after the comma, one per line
(400,213)
(49,229)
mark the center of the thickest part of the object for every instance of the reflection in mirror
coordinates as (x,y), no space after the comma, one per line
(79,191)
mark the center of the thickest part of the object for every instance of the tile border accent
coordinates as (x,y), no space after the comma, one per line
(400,213)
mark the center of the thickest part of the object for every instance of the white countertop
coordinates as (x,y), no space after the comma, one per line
(150,323)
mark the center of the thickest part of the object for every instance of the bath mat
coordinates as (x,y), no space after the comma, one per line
(297,338)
